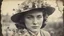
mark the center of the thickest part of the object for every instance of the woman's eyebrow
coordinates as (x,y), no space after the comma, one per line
(39,15)
(29,15)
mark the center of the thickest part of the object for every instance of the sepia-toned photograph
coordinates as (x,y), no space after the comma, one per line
(32,18)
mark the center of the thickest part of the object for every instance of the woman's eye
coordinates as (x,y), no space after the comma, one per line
(29,17)
(39,16)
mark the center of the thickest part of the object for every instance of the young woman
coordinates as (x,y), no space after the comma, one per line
(31,19)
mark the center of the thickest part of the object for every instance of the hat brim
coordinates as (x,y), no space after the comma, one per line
(16,17)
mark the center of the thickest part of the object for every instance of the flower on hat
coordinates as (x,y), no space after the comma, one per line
(32,4)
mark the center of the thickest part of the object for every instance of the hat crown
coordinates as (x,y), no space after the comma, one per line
(31,4)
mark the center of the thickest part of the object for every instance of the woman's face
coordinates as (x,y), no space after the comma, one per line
(34,20)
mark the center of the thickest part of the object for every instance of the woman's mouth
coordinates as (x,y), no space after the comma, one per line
(35,27)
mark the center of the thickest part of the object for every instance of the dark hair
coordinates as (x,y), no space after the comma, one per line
(21,24)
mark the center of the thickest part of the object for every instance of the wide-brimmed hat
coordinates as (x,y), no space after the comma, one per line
(31,6)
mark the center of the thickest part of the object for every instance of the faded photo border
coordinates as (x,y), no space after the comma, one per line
(13,9)
(0,19)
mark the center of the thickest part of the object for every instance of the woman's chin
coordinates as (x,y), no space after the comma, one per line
(35,30)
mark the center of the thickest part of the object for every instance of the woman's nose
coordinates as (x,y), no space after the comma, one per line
(35,21)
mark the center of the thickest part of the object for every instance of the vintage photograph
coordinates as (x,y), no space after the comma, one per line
(32,18)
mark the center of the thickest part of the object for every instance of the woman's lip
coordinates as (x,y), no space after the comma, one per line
(35,27)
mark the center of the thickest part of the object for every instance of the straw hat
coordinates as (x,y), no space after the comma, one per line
(28,6)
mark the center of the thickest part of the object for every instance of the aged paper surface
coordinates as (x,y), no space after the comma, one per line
(54,22)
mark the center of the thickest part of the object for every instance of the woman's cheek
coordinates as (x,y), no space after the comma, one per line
(28,21)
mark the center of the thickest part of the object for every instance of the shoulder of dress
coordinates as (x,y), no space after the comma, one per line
(46,33)
(23,32)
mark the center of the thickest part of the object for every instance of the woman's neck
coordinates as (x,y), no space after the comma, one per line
(33,32)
